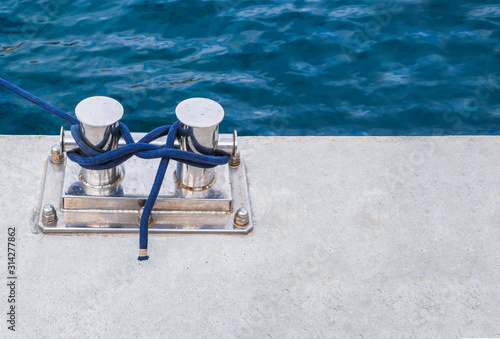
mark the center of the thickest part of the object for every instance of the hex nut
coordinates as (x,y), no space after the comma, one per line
(56,155)
(49,215)
(241,218)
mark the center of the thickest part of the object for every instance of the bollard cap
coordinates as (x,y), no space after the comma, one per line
(99,111)
(199,112)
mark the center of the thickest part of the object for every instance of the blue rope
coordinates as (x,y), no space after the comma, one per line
(91,158)
(39,102)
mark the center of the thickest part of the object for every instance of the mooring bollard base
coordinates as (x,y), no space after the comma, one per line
(84,209)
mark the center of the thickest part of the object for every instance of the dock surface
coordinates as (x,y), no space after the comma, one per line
(354,237)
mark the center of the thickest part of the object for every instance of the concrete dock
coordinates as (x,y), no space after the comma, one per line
(355,237)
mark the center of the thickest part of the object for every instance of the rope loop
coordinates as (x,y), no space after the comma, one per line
(91,158)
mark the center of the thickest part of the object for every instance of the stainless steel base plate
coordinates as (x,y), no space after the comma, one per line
(84,209)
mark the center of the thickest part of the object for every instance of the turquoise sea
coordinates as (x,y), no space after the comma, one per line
(277,67)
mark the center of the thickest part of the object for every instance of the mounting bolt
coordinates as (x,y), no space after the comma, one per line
(49,215)
(150,221)
(241,218)
(235,154)
(56,155)
(235,160)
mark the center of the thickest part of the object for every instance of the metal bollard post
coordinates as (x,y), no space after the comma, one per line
(99,117)
(199,133)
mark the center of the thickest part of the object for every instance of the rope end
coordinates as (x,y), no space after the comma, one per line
(143,254)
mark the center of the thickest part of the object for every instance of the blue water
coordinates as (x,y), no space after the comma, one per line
(277,67)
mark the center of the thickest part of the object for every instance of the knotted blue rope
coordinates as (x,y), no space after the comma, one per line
(92,158)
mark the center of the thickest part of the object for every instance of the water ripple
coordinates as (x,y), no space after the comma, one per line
(279,67)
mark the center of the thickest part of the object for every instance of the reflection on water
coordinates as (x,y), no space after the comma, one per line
(11,48)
